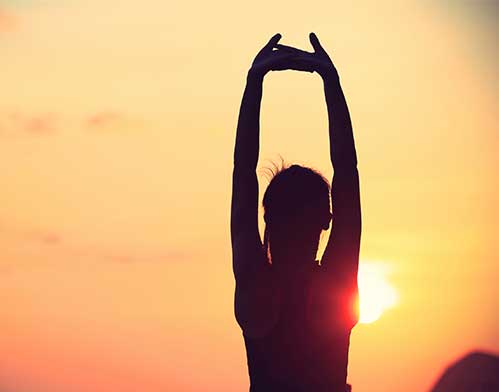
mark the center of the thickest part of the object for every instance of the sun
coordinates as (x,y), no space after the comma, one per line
(375,292)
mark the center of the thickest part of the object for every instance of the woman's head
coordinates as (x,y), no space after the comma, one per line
(296,210)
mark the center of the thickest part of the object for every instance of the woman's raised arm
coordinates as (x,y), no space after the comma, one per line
(246,241)
(341,256)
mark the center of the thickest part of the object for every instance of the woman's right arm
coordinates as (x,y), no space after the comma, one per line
(341,256)
(256,296)
(342,251)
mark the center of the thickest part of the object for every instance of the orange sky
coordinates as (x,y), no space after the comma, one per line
(117,125)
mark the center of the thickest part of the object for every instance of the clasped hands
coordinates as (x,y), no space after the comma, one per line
(278,57)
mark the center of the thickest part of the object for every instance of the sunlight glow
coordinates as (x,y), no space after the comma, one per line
(375,292)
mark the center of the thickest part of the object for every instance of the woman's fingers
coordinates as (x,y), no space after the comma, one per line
(289,60)
(308,63)
(268,46)
(288,57)
(315,43)
(281,60)
(273,41)
(267,49)
(278,55)
(291,49)
(302,60)
(298,65)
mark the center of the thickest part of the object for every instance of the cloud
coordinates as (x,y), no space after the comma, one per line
(44,236)
(103,119)
(8,21)
(43,124)
(19,123)
(51,238)
(112,121)
(40,125)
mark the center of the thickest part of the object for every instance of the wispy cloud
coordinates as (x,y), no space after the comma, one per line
(102,120)
(28,124)
(40,125)
(112,121)
(27,3)
(8,20)
(53,240)
(41,235)
(44,124)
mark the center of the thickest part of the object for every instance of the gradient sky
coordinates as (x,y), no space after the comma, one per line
(117,123)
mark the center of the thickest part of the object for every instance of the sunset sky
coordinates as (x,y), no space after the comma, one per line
(117,124)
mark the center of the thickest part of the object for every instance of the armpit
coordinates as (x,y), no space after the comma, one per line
(257,303)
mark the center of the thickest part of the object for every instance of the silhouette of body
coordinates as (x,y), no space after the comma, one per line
(296,313)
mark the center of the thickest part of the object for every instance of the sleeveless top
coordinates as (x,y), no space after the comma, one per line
(297,336)
(306,350)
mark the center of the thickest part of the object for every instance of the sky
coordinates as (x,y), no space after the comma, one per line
(117,124)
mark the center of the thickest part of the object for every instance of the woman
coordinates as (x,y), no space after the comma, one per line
(296,313)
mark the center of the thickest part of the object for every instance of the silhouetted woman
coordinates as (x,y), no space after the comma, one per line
(296,313)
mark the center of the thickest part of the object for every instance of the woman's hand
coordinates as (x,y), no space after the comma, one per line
(280,59)
(318,61)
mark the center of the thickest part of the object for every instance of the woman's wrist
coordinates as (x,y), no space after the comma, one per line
(330,75)
(254,77)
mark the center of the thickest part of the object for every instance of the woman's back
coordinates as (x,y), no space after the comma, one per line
(306,348)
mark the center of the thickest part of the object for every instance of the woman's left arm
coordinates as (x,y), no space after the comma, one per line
(244,208)
(246,241)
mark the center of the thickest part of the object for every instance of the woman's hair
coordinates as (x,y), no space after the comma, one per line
(297,198)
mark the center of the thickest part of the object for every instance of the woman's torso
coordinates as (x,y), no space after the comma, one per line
(306,349)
